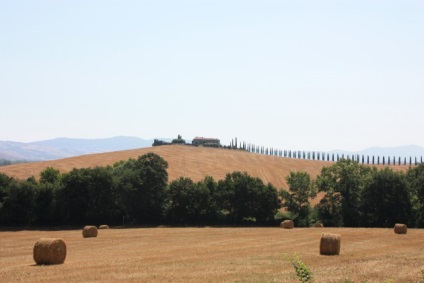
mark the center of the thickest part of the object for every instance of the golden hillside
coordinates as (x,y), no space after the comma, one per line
(186,161)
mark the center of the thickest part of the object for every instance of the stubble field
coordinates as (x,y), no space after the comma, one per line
(216,255)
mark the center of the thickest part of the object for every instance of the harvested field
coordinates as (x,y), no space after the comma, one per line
(188,161)
(216,255)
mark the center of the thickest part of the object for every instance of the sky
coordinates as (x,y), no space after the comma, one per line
(289,74)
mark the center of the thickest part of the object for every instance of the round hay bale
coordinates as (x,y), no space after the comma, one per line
(287,224)
(49,251)
(104,227)
(330,244)
(89,231)
(318,225)
(400,228)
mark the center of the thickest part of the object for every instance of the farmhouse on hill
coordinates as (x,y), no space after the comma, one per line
(206,142)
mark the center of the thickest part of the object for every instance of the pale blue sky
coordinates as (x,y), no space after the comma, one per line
(310,75)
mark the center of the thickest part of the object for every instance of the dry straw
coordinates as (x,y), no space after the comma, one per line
(49,251)
(319,225)
(287,224)
(400,228)
(89,231)
(104,227)
(330,244)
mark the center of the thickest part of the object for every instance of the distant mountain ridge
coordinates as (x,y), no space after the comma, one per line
(67,147)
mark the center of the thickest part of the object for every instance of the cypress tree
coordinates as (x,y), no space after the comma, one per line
(383,160)
(373,160)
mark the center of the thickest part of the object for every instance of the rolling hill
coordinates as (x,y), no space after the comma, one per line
(187,161)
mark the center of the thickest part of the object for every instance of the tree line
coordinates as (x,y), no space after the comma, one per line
(356,195)
(334,157)
(137,191)
(325,156)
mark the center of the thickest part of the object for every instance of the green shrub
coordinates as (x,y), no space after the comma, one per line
(303,273)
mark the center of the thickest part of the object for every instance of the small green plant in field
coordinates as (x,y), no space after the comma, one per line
(422,276)
(303,273)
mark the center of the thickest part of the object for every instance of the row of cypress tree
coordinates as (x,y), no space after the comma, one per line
(327,156)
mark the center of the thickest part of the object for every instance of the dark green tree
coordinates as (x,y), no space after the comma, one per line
(142,185)
(18,203)
(329,210)
(87,196)
(188,202)
(214,214)
(385,199)
(415,179)
(244,197)
(178,140)
(347,178)
(296,198)
(45,205)
(5,184)
(45,197)
(50,176)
